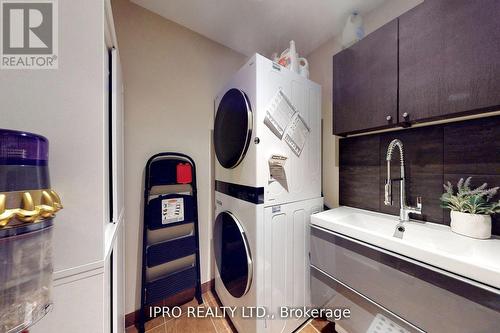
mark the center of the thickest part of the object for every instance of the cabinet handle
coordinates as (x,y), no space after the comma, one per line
(388,118)
(405,115)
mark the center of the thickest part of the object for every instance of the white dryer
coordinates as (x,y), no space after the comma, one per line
(246,135)
(261,256)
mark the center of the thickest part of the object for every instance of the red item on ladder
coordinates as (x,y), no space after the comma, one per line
(184,173)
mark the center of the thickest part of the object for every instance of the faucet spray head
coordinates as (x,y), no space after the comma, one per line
(388,192)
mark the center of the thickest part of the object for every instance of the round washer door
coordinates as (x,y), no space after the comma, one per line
(232,128)
(232,254)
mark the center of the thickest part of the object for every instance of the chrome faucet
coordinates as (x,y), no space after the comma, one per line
(405,210)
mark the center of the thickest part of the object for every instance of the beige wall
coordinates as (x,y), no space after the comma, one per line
(320,61)
(171,76)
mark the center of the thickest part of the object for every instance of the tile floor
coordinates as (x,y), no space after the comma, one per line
(185,324)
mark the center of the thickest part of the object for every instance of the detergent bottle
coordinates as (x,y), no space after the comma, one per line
(289,58)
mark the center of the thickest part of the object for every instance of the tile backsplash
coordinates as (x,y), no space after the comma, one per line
(433,155)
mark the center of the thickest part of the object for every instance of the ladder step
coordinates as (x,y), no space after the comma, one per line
(173,249)
(170,285)
(157,216)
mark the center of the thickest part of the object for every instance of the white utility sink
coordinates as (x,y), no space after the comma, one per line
(430,243)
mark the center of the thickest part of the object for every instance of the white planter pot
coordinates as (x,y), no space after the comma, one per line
(471,225)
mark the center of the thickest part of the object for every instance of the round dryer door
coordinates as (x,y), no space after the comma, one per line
(232,128)
(232,254)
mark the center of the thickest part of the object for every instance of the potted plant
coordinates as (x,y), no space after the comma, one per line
(471,209)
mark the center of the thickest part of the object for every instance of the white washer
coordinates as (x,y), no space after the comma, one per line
(244,143)
(261,256)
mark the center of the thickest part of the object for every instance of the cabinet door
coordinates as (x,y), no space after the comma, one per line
(365,82)
(449,59)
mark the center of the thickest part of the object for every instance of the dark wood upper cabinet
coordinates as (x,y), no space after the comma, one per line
(449,59)
(365,83)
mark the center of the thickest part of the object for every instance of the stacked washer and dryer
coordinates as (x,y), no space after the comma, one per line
(267,185)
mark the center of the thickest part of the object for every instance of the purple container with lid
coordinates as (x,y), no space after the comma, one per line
(24,159)
(25,247)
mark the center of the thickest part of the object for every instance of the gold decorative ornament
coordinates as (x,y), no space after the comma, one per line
(28,206)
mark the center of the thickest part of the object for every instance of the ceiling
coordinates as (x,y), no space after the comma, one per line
(263,26)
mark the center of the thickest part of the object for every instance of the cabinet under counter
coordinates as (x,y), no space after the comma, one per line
(380,285)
